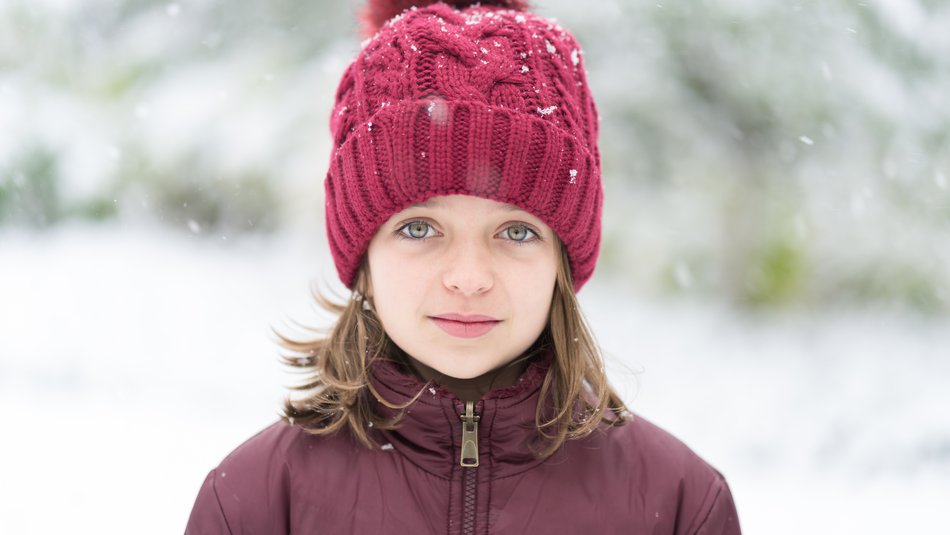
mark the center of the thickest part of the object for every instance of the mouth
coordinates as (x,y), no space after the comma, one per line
(465,329)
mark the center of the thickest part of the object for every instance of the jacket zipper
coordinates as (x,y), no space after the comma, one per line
(469,436)
(469,462)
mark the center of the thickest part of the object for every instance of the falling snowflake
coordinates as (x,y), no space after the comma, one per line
(575,58)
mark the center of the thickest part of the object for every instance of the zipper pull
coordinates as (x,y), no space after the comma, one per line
(469,436)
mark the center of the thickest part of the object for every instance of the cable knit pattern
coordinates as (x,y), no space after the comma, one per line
(483,101)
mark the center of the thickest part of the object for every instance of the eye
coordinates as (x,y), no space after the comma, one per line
(519,233)
(414,230)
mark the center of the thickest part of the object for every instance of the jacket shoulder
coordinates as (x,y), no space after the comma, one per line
(697,491)
(248,492)
(647,441)
(268,447)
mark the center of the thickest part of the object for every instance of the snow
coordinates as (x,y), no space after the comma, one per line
(133,359)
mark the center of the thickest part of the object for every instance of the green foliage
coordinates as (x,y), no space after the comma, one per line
(892,284)
(120,81)
(29,189)
(100,208)
(776,275)
(194,196)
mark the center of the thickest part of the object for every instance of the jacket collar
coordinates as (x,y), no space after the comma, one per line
(430,433)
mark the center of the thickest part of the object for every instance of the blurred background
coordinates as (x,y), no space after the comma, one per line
(773,287)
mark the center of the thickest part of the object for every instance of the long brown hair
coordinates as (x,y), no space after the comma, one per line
(337,364)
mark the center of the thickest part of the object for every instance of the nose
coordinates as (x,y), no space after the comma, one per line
(468,269)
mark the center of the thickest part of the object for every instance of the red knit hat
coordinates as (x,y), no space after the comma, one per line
(484,100)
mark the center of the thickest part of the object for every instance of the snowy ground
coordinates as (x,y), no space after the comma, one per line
(132,360)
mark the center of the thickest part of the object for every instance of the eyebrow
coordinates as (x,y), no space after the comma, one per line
(436,204)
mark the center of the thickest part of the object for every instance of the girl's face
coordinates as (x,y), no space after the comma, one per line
(463,255)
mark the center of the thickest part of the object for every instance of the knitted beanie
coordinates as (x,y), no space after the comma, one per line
(464,98)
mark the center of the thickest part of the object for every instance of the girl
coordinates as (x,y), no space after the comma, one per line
(460,390)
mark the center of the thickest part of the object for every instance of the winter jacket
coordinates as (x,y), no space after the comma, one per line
(634,478)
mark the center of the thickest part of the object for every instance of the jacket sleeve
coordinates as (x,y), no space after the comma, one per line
(207,516)
(722,518)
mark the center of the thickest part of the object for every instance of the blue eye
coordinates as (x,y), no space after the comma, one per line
(520,237)
(418,230)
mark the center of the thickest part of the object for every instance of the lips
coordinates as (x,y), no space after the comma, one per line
(473,318)
(465,326)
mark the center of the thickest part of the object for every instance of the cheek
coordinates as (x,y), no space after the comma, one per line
(533,288)
(395,279)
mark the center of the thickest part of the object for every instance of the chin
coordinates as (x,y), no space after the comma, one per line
(459,372)
(459,369)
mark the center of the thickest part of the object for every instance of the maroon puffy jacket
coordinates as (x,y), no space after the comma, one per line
(632,479)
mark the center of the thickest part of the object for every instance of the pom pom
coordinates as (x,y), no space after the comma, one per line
(375,13)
